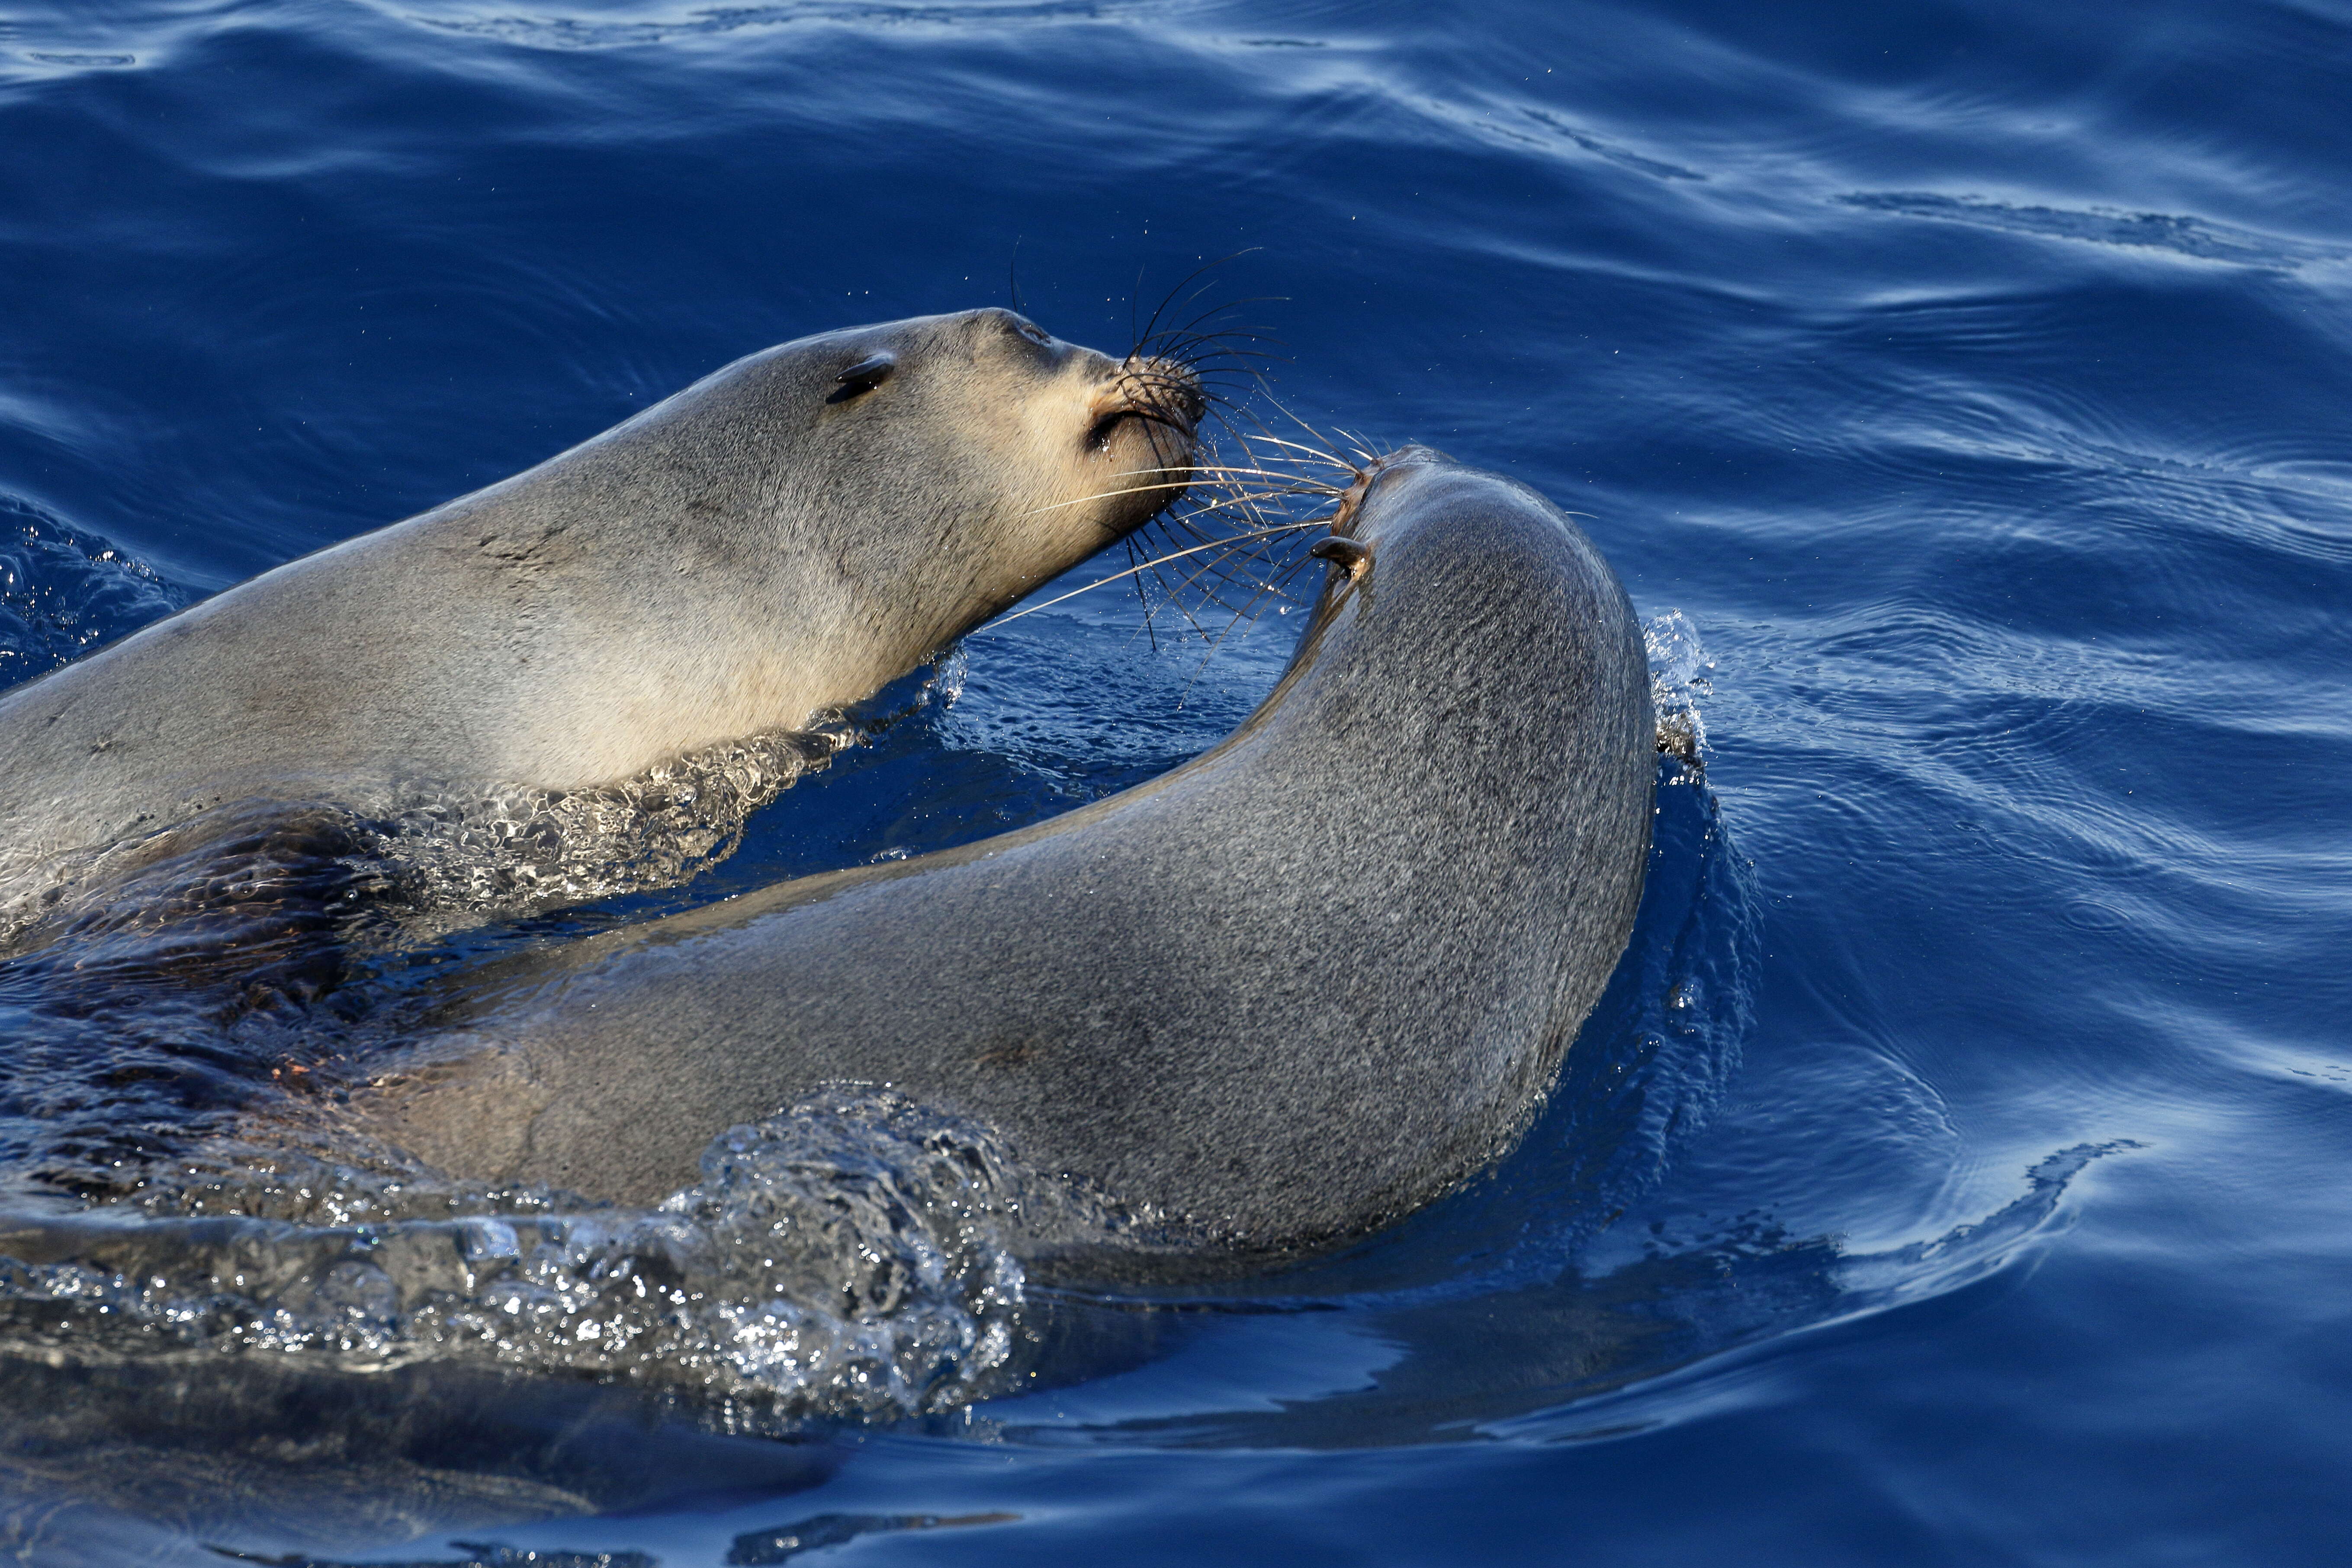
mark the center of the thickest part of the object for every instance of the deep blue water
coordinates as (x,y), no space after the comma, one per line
(1954,1172)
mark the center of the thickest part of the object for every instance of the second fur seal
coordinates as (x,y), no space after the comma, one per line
(1278,997)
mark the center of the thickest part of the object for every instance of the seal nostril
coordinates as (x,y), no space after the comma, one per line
(1352,556)
(863,376)
(1164,392)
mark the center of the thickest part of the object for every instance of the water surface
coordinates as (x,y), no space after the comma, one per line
(1953,1171)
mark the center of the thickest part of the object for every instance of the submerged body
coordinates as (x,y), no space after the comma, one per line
(782,538)
(1280,996)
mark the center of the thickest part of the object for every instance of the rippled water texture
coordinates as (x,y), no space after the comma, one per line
(1955,1169)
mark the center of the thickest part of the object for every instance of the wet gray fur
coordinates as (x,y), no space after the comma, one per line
(1280,996)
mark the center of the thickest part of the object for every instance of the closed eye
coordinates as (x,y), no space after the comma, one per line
(863,376)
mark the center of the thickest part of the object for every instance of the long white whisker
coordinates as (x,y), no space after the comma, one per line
(1270,474)
(1273,588)
(1109,495)
(1279,528)
(1216,566)
(1247,500)
(1241,548)
(1212,468)
(1293,418)
(1319,456)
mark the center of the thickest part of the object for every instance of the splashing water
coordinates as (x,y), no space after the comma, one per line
(438,857)
(845,1258)
(63,593)
(505,853)
(1680,673)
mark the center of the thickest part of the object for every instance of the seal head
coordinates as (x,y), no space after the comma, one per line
(780,539)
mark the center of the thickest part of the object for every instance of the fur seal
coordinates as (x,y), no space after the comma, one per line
(783,537)
(1277,997)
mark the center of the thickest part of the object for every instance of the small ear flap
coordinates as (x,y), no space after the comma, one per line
(863,376)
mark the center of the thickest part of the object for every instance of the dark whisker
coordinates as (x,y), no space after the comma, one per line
(1218,564)
(1134,299)
(1310,453)
(1236,621)
(1194,327)
(1168,596)
(1256,583)
(1140,597)
(1032,609)
(1180,344)
(1187,279)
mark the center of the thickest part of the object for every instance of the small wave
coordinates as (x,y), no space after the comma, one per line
(1873,1282)
(1680,673)
(780,1543)
(435,857)
(2196,237)
(1094,705)
(1581,1355)
(1599,148)
(64,592)
(843,1259)
(491,854)
(668,26)
(750,1548)
(80,59)
(481,854)
(1549,133)
(439,857)
(1671,1032)
(478,1555)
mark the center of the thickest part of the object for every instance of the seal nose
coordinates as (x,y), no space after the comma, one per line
(1167,390)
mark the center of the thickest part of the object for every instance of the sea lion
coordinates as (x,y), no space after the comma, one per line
(783,537)
(1278,997)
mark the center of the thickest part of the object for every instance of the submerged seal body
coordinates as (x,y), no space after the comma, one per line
(1278,996)
(784,536)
